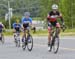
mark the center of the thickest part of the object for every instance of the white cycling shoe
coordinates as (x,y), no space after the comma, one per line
(48,48)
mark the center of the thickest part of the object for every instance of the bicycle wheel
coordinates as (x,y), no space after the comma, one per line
(24,45)
(50,45)
(2,39)
(18,43)
(56,44)
(30,43)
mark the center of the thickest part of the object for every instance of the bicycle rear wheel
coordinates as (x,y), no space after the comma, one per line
(56,45)
(30,43)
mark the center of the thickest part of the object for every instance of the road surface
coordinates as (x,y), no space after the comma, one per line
(66,51)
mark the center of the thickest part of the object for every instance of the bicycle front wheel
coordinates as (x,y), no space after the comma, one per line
(18,43)
(30,43)
(56,45)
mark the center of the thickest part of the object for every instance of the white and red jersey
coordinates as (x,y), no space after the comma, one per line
(52,16)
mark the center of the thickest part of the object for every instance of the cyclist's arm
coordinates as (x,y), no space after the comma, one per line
(62,20)
(48,18)
(22,20)
(13,25)
(30,22)
(14,28)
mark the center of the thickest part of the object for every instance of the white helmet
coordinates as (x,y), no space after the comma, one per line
(54,6)
(27,14)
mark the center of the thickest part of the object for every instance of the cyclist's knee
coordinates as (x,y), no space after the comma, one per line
(57,25)
(49,33)
(49,29)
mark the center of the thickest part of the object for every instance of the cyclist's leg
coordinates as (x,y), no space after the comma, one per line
(49,33)
(14,34)
(0,34)
(58,26)
(24,32)
(28,28)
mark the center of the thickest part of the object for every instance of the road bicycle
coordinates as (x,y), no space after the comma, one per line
(17,39)
(28,40)
(55,40)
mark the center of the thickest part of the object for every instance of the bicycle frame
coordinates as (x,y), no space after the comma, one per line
(54,36)
(54,31)
(26,33)
(26,42)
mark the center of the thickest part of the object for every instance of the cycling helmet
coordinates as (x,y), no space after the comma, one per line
(17,20)
(26,14)
(54,6)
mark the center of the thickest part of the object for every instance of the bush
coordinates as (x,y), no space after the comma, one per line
(6,23)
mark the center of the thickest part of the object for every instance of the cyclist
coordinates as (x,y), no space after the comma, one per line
(16,28)
(26,23)
(52,21)
(1,29)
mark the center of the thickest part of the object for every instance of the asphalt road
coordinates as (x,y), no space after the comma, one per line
(66,50)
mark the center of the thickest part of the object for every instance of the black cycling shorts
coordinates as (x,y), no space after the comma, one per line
(17,29)
(52,24)
(26,25)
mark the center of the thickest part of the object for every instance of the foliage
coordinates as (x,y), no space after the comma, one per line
(39,8)
(66,7)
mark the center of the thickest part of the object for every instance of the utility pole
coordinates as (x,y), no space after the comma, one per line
(9,15)
(72,4)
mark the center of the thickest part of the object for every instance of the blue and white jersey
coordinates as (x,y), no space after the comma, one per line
(15,25)
(26,20)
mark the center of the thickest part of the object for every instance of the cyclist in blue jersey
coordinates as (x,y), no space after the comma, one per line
(16,28)
(26,23)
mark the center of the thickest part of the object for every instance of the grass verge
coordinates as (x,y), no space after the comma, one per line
(68,32)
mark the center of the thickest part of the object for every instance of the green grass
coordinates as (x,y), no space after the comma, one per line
(68,32)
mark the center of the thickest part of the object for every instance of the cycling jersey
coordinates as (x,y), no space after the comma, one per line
(52,16)
(26,21)
(52,19)
(1,27)
(17,26)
